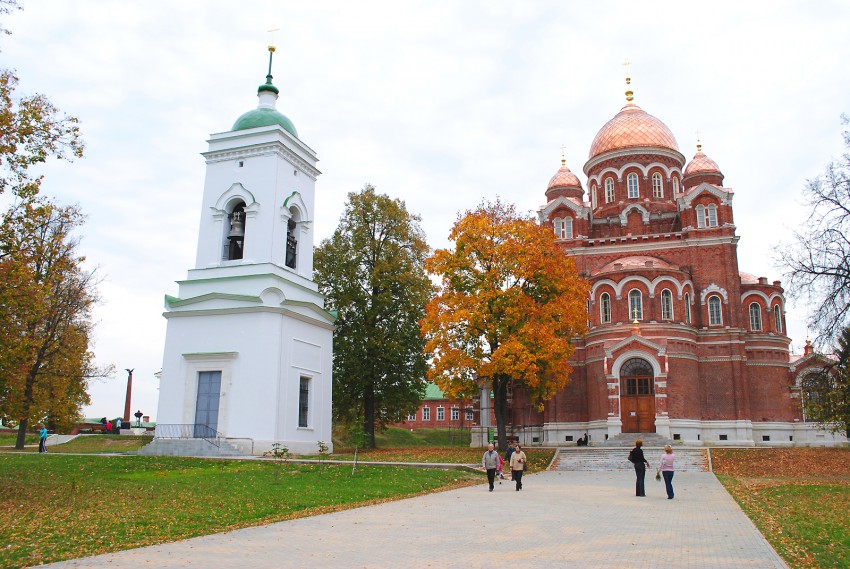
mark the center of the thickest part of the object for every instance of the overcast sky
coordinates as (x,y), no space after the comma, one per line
(439,103)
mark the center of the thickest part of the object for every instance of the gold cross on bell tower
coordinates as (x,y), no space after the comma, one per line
(272,49)
(271,43)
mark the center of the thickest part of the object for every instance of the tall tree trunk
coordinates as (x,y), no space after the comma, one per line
(500,405)
(369,416)
(25,411)
(22,433)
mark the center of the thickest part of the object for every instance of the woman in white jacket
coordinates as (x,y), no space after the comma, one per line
(518,460)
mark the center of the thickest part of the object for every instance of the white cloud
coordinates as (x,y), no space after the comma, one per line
(438,103)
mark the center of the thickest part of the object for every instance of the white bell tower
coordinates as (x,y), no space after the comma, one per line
(248,351)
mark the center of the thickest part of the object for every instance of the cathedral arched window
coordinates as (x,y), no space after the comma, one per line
(700,209)
(711,216)
(563,227)
(666,305)
(755,317)
(777,317)
(234,247)
(687,308)
(675,185)
(635,305)
(593,196)
(815,389)
(657,186)
(632,182)
(609,190)
(605,308)
(715,311)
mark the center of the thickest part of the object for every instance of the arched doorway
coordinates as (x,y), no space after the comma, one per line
(637,396)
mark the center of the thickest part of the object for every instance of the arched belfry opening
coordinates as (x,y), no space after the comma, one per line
(291,259)
(234,247)
(637,396)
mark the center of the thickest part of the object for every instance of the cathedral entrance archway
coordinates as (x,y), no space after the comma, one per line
(637,396)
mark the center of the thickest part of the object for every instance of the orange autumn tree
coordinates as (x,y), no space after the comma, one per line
(509,305)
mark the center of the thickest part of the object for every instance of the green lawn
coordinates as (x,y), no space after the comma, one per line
(102,443)
(88,444)
(55,507)
(538,459)
(8,439)
(807,523)
(398,437)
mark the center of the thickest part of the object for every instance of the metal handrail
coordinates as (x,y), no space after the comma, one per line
(188,431)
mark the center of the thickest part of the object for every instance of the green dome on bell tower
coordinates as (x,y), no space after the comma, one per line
(266,114)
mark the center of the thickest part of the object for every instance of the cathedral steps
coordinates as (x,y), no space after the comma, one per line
(590,459)
(628,440)
(189,447)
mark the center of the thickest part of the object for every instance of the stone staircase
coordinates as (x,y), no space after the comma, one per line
(189,447)
(627,440)
(599,458)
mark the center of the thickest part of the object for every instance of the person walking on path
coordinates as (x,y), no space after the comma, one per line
(636,457)
(508,454)
(490,462)
(665,467)
(42,439)
(518,465)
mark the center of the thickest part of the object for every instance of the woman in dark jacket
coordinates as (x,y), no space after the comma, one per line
(636,457)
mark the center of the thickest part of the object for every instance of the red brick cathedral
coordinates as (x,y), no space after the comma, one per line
(681,343)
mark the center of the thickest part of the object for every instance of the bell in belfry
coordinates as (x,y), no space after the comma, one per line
(236,237)
(237,226)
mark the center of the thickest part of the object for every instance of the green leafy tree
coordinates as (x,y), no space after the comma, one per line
(32,130)
(372,273)
(46,296)
(826,395)
(817,261)
(510,303)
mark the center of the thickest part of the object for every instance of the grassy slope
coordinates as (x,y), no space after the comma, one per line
(798,498)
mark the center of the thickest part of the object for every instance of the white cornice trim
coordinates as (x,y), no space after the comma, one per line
(768,300)
(723,194)
(633,244)
(674,154)
(644,213)
(581,211)
(265,149)
(668,171)
(658,348)
(713,288)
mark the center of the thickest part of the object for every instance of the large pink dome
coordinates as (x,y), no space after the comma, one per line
(632,127)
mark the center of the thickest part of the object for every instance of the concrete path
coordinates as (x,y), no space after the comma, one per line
(560,519)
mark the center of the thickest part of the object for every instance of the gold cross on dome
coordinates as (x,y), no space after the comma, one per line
(630,96)
(699,142)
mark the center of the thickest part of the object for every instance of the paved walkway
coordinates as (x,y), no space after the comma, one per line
(560,519)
